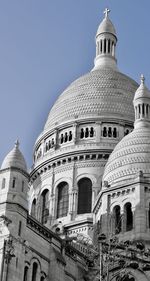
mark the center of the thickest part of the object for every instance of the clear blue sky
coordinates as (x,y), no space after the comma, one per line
(46,44)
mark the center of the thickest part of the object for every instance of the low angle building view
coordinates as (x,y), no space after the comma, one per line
(82,212)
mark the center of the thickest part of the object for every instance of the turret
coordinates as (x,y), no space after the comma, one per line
(13,188)
(106,40)
(142,105)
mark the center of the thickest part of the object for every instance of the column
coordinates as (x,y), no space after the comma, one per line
(75,137)
(56,139)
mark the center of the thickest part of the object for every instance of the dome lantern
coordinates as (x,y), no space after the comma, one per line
(142,105)
(106,40)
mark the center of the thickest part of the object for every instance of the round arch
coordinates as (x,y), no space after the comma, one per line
(62,199)
(84,195)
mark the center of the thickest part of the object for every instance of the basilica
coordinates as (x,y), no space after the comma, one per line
(82,213)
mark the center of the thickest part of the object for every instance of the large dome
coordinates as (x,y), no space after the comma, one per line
(101,93)
(130,156)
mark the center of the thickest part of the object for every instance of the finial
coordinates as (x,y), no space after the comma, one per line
(17,143)
(106,11)
(142,79)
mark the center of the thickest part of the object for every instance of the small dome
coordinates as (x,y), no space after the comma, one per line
(142,91)
(14,159)
(130,156)
(106,25)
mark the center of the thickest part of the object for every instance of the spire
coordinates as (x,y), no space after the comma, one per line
(106,40)
(142,104)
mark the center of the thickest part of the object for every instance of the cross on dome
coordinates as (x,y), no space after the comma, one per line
(17,143)
(142,79)
(106,11)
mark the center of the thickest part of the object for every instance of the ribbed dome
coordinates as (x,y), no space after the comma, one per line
(14,159)
(100,93)
(106,26)
(131,155)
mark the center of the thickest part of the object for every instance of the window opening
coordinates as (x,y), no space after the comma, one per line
(66,137)
(70,136)
(104,132)
(14,183)
(26,269)
(33,208)
(128,216)
(117,217)
(34,271)
(109,132)
(82,134)
(91,132)
(86,132)
(84,196)
(61,139)
(3,183)
(45,206)
(19,228)
(63,200)
(104,46)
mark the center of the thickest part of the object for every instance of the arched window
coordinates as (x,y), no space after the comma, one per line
(34,271)
(82,134)
(61,138)
(104,132)
(3,183)
(86,132)
(91,132)
(49,145)
(84,196)
(45,206)
(70,136)
(63,200)
(53,143)
(33,208)
(117,219)
(114,132)
(66,137)
(128,216)
(109,132)
(25,276)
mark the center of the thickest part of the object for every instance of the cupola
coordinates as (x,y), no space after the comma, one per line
(106,40)
(142,105)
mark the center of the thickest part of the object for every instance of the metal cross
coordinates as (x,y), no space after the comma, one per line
(142,79)
(106,11)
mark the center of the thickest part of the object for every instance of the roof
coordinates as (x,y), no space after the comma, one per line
(101,93)
(142,91)
(130,156)
(106,26)
(14,159)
